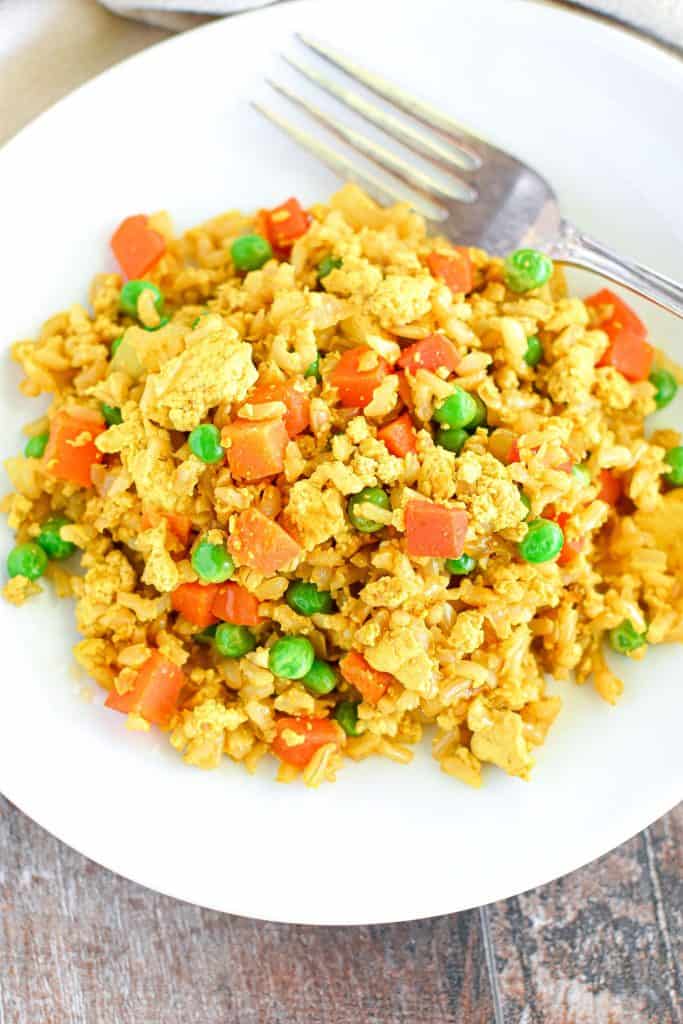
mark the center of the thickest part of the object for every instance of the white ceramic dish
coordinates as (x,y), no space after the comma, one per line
(594,109)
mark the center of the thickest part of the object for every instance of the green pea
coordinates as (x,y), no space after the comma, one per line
(51,541)
(368,496)
(27,560)
(212,562)
(204,442)
(534,351)
(481,416)
(112,415)
(321,678)
(291,657)
(314,369)
(346,714)
(131,292)
(543,541)
(306,599)
(233,641)
(462,566)
(674,457)
(205,636)
(458,410)
(452,438)
(162,323)
(582,472)
(327,265)
(526,501)
(625,638)
(115,346)
(665,387)
(526,269)
(36,445)
(250,252)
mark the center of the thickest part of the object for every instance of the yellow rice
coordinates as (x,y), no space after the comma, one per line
(467,654)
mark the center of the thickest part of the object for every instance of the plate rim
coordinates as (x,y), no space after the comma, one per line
(655,52)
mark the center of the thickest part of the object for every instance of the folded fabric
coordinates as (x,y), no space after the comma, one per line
(661,19)
(178,15)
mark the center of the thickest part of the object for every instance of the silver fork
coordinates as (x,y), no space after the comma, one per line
(483,195)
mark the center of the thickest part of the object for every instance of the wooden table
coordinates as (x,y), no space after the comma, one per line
(79,945)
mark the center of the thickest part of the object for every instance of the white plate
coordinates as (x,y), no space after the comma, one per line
(595,110)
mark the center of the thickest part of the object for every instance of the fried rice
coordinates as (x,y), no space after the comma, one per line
(410,646)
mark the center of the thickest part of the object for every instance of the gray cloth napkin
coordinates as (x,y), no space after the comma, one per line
(661,19)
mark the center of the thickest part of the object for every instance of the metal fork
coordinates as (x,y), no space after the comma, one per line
(483,195)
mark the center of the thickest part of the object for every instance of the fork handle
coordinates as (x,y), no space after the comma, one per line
(579,250)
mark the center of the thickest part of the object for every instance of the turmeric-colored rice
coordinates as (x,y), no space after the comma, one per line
(465,654)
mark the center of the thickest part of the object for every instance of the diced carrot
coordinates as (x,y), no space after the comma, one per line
(286,223)
(233,603)
(504,445)
(628,350)
(292,394)
(570,548)
(255,448)
(619,314)
(179,526)
(370,683)
(261,224)
(155,693)
(194,602)
(434,530)
(137,246)
(399,436)
(260,543)
(611,487)
(629,354)
(404,392)
(298,738)
(455,270)
(262,227)
(71,453)
(430,353)
(357,374)
(289,526)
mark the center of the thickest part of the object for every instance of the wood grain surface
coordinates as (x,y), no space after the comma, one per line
(79,945)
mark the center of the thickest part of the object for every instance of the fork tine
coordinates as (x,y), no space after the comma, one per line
(469,141)
(417,141)
(380,189)
(400,168)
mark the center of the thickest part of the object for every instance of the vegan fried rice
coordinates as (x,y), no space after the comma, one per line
(333,482)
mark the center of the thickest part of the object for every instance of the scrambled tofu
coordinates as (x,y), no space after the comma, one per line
(146,454)
(215,368)
(436,477)
(97,613)
(498,737)
(200,733)
(402,655)
(316,513)
(483,483)
(400,299)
